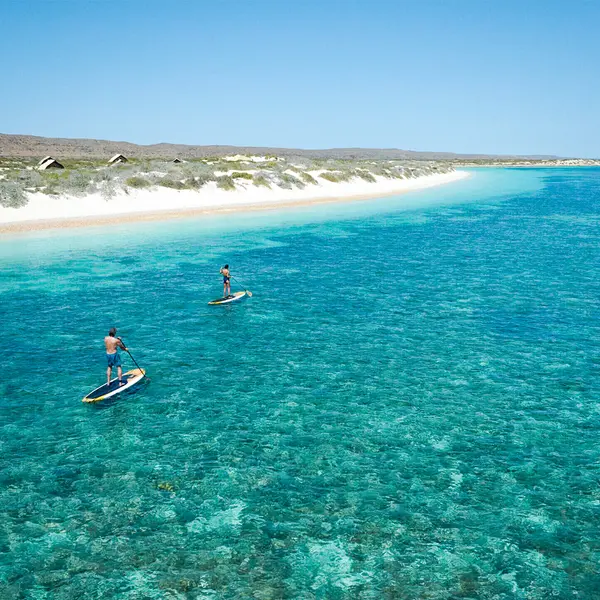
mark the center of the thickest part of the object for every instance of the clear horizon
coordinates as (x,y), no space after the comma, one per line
(459,77)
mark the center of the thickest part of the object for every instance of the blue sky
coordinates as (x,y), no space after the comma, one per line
(448,75)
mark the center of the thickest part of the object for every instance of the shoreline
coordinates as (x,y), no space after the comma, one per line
(527,166)
(11,225)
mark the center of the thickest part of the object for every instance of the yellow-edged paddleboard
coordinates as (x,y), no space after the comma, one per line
(113,388)
(227,299)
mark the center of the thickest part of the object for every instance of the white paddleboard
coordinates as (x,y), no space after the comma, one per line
(113,388)
(227,299)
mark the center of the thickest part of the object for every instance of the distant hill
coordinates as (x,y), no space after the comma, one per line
(34,146)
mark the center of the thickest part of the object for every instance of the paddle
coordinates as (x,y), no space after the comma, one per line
(133,359)
(247,291)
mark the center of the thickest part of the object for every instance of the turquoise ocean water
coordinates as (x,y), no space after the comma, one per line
(406,408)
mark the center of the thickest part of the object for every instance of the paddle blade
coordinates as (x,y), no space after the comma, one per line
(249,293)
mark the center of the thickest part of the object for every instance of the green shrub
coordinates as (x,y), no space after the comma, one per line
(172,184)
(54,177)
(225,183)
(366,175)
(205,178)
(329,176)
(379,170)
(261,180)
(287,181)
(78,183)
(239,175)
(191,184)
(204,173)
(195,183)
(30,179)
(137,182)
(102,178)
(12,195)
(228,165)
(308,178)
(345,175)
(108,189)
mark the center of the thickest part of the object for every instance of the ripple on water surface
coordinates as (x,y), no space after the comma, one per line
(406,408)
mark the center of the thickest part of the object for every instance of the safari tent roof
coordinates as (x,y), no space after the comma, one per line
(50,163)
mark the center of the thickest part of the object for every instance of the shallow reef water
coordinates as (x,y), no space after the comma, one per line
(407,407)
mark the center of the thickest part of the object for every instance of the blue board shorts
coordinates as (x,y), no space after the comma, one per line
(114,360)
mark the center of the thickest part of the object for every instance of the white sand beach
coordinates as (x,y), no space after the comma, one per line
(44,211)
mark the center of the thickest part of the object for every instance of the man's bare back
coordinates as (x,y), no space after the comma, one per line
(112,343)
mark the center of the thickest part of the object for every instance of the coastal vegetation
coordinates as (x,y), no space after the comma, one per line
(173,184)
(260,180)
(226,183)
(137,182)
(21,177)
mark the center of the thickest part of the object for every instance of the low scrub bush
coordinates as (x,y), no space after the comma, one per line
(196,183)
(345,175)
(50,178)
(394,173)
(366,175)
(308,178)
(225,183)
(108,189)
(204,173)
(329,176)
(137,182)
(380,170)
(240,175)
(30,179)
(78,183)
(12,195)
(205,178)
(228,165)
(173,184)
(102,177)
(261,180)
(192,184)
(288,181)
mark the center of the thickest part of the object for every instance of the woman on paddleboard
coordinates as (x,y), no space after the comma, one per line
(226,281)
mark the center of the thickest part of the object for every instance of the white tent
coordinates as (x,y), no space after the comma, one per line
(50,163)
(116,159)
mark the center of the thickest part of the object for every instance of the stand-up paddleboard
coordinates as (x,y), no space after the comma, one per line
(227,299)
(113,388)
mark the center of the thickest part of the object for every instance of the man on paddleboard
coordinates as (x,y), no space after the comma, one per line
(113,357)
(226,281)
